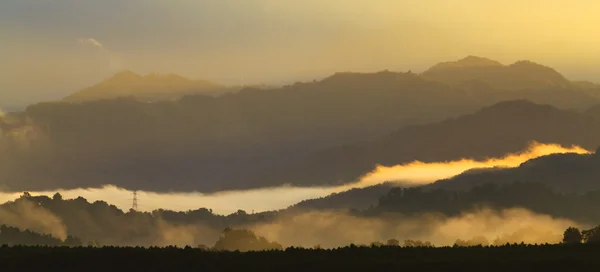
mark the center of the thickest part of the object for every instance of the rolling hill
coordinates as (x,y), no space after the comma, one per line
(314,133)
(505,127)
(151,87)
(521,75)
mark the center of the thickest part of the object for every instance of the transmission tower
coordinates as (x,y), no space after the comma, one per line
(134,205)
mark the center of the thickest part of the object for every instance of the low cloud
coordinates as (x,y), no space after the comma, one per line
(93,42)
(264,199)
(419,173)
(25,214)
(334,229)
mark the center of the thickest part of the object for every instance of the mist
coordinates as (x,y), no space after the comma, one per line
(327,229)
(335,229)
(28,215)
(267,199)
(420,173)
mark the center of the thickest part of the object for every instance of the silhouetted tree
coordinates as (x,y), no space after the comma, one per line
(376,244)
(244,240)
(57,197)
(572,235)
(591,235)
(393,242)
(417,243)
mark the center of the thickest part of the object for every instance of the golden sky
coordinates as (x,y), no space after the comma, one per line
(51,48)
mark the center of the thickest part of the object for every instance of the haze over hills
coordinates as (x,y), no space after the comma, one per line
(151,87)
(313,133)
(200,138)
(509,213)
(483,80)
(521,75)
(563,174)
(359,134)
(566,173)
(353,199)
(130,161)
(494,131)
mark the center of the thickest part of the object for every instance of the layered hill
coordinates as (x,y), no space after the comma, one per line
(323,132)
(566,173)
(211,143)
(521,75)
(506,127)
(151,87)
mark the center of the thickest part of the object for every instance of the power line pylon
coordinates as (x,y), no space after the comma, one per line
(134,205)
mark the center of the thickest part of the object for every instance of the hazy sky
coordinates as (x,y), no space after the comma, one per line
(50,48)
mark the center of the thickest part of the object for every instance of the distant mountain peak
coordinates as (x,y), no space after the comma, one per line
(521,75)
(468,61)
(151,87)
(471,61)
(125,74)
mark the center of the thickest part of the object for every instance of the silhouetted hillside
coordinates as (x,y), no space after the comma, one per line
(353,199)
(522,75)
(152,87)
(489,81)
(561,172)
(533,196)
(100,223)
(211,143)
(593,111)
(494,131)
(269,137)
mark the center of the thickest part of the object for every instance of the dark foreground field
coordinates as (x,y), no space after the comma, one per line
(505,258)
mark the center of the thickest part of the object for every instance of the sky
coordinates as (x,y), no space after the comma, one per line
(51,48)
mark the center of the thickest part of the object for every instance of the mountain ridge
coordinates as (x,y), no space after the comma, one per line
(521,75)
(150,87)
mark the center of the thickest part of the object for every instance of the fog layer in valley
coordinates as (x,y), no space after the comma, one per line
(326,229)
(331,229)
(419,173)
(264,199)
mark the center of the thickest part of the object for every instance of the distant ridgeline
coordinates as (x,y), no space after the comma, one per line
(150,88)
(325,132)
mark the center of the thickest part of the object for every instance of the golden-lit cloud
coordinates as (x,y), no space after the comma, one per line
(418,173)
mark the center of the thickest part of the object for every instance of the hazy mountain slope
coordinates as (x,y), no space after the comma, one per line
(269,137)
(489,82)
(534,196)
(356,198)
(211,143)
(152,87)
(562,172)
(493,131)
(522,75)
